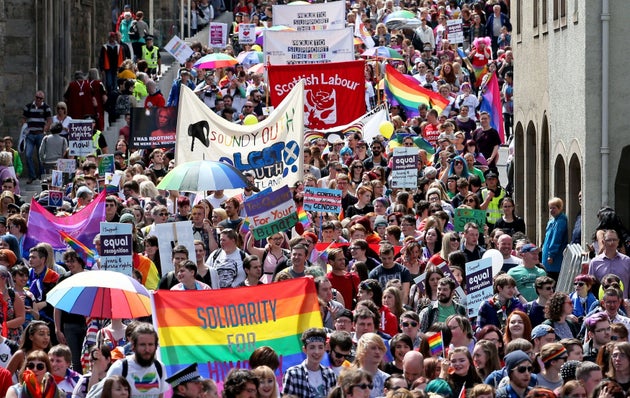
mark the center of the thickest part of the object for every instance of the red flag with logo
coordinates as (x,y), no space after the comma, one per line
(334,93)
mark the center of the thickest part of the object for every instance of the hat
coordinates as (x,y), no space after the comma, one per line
(11,257)
(380,221)
(567,370)
(188,374)
(528,248)
(554,354)
(84,190)
(439,386)
(514,358)
(184,71)
(3,220)
(433,191)
(127,218)
(491,174)
(430,170)
(444,137)
(541,331)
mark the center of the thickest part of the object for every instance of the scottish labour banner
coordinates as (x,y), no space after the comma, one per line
(219,329)
(270,148)
(333,93)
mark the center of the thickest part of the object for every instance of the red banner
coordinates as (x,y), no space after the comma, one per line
(334,93)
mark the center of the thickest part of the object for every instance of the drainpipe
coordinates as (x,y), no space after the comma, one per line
(605,150)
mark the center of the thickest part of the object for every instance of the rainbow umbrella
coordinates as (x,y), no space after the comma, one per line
(382,52)
(250,57)
(101,294)
(215,60)
(203,175)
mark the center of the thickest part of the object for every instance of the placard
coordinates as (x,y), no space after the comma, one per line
(405,167)
(106,164)
(80,138)
(179,49)
(311,17)
(246,33)
(55,198)
(478,284)
(68,166)
(272,213)
(170,235)
(455,31)
(56,179)
(464,216)
(322,199)
(117,247)
(217,38)
(290,48)
(153,128)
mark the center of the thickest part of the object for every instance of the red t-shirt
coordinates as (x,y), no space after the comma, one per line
(347,285)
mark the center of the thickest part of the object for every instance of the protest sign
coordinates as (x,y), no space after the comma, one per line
(322,199)
(219,329)
(405,167)
(270,148)
(80,138)
(218,35)
(478,284)
(117,247)
(455,31)
(56,179)
(68,166)
(310,17)
(153,128)
(291,48)
(464,216)
(106,164)
(246,33)
(179,49)
(55,198)
(271,213)
(170,235)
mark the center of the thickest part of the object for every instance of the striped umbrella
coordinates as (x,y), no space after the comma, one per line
(203,175)
(101,294)
(215,60)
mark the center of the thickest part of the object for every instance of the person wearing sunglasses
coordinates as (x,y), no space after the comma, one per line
(34,375)
(339,355)
(582,297)
(355,383)
(519,368)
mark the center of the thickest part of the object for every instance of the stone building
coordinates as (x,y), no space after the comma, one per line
(570,119)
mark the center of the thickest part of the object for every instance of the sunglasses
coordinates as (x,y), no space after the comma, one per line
(580,284)
(340,355)
(523,369)
(364,386)
(163,214)
(454,239)
(413,324)
(39,366)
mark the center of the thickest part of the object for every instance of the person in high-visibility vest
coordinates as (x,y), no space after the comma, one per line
(151,54)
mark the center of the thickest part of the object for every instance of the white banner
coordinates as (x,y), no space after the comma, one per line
(309,17)
(217,36)
(271,148)
(179,49)
(289,48)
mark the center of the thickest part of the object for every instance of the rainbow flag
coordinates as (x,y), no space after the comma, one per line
(480,72)
(303,217)
(406,91)
(79,247)
(491,103)
(436,344)
(83,226)
(219,329)
(361,32)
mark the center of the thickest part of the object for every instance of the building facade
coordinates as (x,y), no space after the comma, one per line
(570,122)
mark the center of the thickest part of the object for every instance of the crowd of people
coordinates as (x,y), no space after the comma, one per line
(394,323)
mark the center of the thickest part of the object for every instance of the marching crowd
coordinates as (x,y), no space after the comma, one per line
(393,324)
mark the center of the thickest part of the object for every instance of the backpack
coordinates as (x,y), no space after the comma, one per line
(133,31)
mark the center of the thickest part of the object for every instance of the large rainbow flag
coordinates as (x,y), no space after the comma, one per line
(406,91)
(219,329)
(82,226)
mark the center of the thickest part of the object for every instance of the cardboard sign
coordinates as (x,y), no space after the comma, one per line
(272,213)
(80,138)
(464,216)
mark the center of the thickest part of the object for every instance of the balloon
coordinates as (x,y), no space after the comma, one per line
(497,260)
(256,47)
(386,128)
(249,120)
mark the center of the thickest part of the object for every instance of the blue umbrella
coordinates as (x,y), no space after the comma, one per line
(203,175)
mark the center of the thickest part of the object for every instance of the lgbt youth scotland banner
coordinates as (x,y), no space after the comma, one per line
(82,226)
(219,329)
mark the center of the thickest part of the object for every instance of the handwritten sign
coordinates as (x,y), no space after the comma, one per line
(117,247)
(271,213)
(80,138)
(464,216)
(322,199)
(68,166)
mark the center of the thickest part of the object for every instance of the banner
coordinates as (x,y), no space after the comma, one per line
(153,128)
(291,48)
(333,93)
(322,199)
(80,138)
(179,49)
(478,284)
(367,125)
(271,148)
(170,235)
(309,17)
(362,33)
(219,329)
(82,226)
(405,167)
(217,38)
(271,213)
(117,247)
(491,103)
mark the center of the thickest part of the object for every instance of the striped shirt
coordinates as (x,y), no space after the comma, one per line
(36,117)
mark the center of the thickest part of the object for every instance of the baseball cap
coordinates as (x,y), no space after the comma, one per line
(541,331)
(528,248)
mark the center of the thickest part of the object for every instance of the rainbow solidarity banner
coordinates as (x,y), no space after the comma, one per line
(219,329)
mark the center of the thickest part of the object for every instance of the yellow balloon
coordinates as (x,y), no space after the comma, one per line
(256,47)
(249,120)
(386,128)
